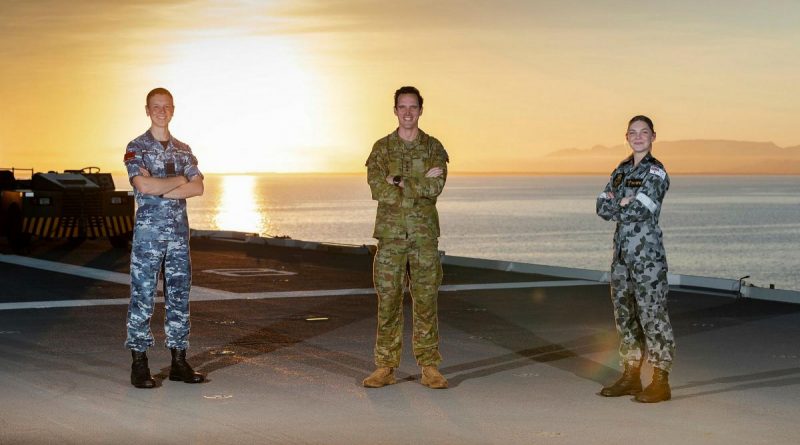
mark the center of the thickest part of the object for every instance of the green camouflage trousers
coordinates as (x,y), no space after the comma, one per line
(639,295)
(395,260)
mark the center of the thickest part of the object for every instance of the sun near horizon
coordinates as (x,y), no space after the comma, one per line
(285,86)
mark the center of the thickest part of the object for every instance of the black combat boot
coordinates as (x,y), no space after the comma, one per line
(658,390)
(181,371)
(140,371)
(628,384)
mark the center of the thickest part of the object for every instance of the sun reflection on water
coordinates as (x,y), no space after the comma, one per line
(238,206)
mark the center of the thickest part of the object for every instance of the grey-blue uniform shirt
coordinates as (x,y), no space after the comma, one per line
(160,218)
(638,238)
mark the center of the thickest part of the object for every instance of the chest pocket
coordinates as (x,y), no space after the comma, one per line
(183,160)
(395,162)
(419,163)
(422,159)
(154,162)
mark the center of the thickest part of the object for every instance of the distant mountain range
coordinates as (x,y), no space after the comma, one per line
(683,157)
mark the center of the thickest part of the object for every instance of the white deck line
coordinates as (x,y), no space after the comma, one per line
(707,285)
(200,293)
(518,285)
(70,269)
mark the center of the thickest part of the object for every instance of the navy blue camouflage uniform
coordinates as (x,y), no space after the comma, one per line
(160,236)
(639,269)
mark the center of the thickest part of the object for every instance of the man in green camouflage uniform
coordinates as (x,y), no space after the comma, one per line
(406,171)
(632,198)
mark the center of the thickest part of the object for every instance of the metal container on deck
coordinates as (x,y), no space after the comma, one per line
(75,204)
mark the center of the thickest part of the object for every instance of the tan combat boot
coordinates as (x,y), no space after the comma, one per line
(629,384)
(380,377)
(432,378)
(658,390)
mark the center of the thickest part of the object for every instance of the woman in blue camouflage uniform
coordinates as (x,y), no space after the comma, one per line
(632,198)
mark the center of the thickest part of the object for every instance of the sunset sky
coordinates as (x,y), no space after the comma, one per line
(299,86)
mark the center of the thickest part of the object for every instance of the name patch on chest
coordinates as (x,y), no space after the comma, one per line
(633,183)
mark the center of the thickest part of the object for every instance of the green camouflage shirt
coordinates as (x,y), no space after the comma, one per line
(410,211)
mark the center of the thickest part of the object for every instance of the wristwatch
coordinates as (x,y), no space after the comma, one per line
(396,180)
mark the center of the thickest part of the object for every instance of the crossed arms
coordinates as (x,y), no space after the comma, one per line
(640,207)
(173,187)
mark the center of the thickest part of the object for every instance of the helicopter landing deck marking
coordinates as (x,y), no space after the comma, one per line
(200,293)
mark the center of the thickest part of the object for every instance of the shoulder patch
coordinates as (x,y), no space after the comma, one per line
(658,172)
(130,154)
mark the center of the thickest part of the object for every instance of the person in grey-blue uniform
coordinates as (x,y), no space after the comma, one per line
(632,198)
(163,172)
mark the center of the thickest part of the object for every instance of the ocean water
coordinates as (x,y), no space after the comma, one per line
(718,226)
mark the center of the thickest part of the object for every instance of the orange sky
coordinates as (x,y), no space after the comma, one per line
(306,85)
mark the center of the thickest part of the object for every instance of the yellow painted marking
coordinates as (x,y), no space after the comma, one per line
(39,224)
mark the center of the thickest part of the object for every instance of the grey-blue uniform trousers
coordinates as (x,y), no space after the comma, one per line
(160,236)
(639,269)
